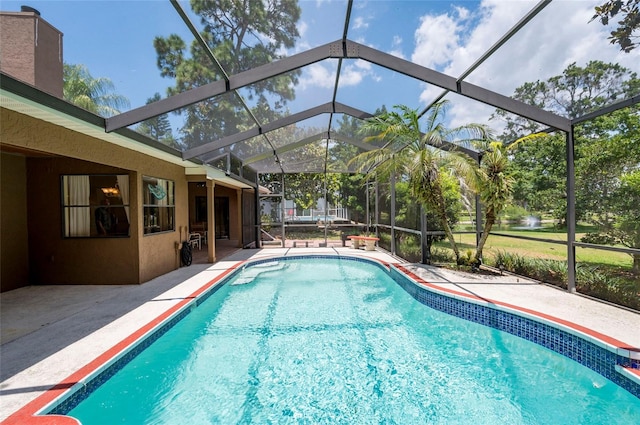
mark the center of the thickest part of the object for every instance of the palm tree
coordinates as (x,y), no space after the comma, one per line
(93,94)
(493,183)
(412,153)
(158,128)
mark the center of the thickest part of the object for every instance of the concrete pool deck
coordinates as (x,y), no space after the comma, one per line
(50,332)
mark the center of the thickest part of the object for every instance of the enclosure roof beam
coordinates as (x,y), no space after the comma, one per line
(217,88)
(503,40)
(287,148)
(244,135)
(337,49)
(306,141)
(462,88)
(634,100)
(355,142)
(326,108)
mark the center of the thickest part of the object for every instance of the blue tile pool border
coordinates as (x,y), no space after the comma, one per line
(597,358)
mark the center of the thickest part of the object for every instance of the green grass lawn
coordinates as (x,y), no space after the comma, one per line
(521,247)
(541,249)
(607,275)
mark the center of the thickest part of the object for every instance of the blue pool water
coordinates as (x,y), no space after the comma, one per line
(330,341)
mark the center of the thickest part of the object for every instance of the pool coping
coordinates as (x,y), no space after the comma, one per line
(31,412)
(26,413)
(612,344)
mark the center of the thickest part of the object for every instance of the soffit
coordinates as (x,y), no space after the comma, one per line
(41,112)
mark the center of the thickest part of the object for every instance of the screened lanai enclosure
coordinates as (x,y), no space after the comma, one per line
(374,117)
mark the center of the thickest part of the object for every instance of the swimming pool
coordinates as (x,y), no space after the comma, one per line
(343,341)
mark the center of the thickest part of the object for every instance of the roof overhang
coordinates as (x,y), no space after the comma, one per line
(205,172)
(27,100)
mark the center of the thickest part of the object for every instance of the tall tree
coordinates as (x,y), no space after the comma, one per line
(626,230)
(577,91)
(306,189)
(540,173)
(625,34)
(158,128)
(93,94)
(607,177)
(241,34)
(352,191)
(408,210)
(540,163)
(493,183)
(413,153)
(607,152)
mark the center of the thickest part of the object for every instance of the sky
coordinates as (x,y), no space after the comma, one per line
(114,40)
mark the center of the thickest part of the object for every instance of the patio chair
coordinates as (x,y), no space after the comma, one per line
(195,240)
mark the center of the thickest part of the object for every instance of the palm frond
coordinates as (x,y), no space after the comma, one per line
(530,137)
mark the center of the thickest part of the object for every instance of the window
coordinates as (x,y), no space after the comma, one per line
(158,205)
(95,205)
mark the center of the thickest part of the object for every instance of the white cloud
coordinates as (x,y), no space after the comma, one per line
(362,64)
(323,74)
(360,23)
(561,34)
(302,28)
(396,47)
(353,73)
(350,76)
(462,12)
(464,111)
(362,40)
(436,38)
(318,75)
(430,93)
(397,53)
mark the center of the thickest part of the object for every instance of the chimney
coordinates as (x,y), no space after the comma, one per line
(31,50)
(29,9)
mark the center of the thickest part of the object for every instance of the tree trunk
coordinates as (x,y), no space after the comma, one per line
(636,264)
(427,255)
(452,240)
(442,215)
(489,220)
(431,196)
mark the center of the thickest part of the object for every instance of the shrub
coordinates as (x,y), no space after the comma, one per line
(551,271)
(466,258)
(598,238)
(592,281)
(266,222)
(409,246)
(597,283)
(515,263)
(442,255)
(385,241)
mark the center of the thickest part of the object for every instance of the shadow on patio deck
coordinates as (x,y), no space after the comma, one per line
(71,312)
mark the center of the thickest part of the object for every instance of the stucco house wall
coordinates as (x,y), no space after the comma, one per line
(14,246)
(56,260)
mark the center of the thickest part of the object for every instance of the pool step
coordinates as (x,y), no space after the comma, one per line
(630,372)
(248,274)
